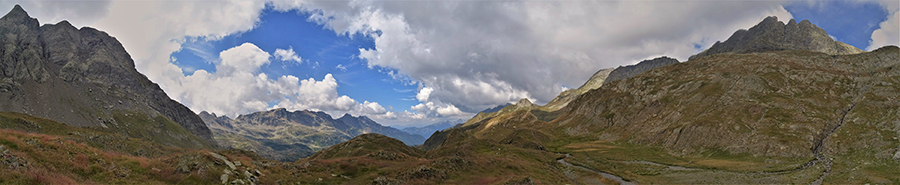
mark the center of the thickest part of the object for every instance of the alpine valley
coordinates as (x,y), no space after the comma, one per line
(777,103)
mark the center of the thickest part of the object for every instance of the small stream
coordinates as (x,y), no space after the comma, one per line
(618,179)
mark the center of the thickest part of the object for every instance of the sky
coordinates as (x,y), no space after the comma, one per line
(412,63)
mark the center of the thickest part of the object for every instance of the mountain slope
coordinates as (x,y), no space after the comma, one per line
(739,102)
(84,77)
(282,135)
(781,111)
(786,116)
(774,35)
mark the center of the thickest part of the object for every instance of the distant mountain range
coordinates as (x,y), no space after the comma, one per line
(427,130)
(283,135)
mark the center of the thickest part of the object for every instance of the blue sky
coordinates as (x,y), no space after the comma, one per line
(406,63)
(849,22)
(322,50)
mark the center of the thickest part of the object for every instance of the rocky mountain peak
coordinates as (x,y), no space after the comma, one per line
(279,110)
(770,20)
(347,118)
(17,13)
(204,114)
(524,102)
(773,35)
(65,23)
(346,115)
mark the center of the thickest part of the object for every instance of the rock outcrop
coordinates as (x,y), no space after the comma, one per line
(84,77)
(774,35)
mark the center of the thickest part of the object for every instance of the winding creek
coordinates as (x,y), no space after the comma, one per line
(618,179)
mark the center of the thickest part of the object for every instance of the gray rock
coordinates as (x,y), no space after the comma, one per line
(224,160)
(897,154)
(224,178)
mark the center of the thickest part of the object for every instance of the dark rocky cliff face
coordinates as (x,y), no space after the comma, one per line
(774,35)
(84,77)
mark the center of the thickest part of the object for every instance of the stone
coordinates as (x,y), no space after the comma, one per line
(897,154)
(237,181)
(224,160)
(184,169)
(224,178)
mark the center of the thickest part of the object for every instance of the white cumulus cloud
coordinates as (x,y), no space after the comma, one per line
(341,67)
(287,55)
(244,58)
(423,94)
(889,30)
(238,87)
